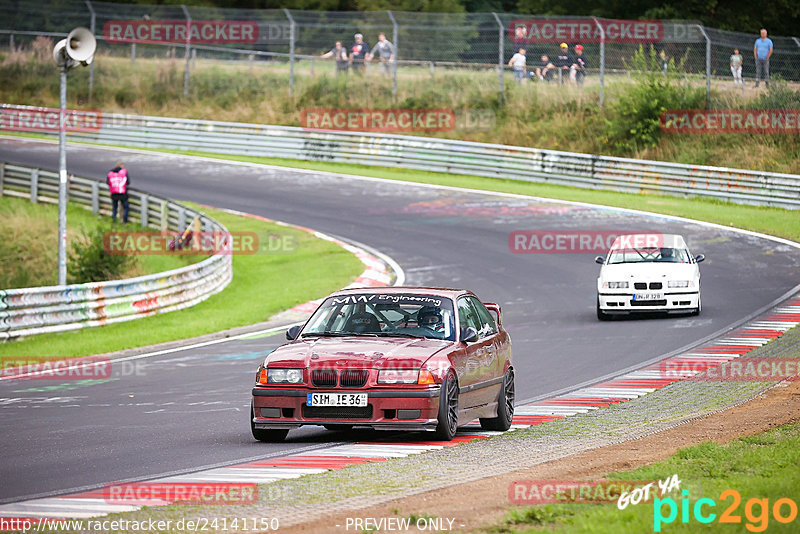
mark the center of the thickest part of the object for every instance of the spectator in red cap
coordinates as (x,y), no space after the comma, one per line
(578,70)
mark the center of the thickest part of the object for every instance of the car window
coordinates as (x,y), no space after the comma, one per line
(467,315)
(389,315)
(488,326)
(649,255)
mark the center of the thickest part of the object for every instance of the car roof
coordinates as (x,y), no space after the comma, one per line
(648,240)
(409,290)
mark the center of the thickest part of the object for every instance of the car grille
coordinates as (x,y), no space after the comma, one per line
(643,285)
(323,377)
(353,378)
(337,412)
(648,303)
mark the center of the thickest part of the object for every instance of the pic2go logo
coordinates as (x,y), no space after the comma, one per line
(756,511)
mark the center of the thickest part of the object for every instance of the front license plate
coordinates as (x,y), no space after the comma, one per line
(648,296)
(336,399)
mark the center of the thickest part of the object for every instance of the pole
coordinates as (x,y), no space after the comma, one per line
(602,60)
(708,65)
(393,66)
(187,54)
(91,66)
(291,49)
(62,179)
(500,57)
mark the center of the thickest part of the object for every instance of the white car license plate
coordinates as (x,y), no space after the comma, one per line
(336,399)
(648,296)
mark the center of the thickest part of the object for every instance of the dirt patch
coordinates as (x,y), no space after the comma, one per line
(483,502)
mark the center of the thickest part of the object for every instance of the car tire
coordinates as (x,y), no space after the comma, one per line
(699,307)
(448,409)
(600,313)
(505,406)
(338,427)
(269,435)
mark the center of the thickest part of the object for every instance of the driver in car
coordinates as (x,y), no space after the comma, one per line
(430,317)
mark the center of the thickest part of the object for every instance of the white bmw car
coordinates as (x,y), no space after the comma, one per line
(648,273)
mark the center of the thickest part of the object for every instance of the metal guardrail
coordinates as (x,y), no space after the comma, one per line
(450,156)
(39,310)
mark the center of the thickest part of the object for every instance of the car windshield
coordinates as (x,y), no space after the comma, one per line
(383,315)
(649,255)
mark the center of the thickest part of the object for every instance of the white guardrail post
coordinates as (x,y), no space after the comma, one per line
(38,310)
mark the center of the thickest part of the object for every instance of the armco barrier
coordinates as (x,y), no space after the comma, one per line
(450,156)
(38,310)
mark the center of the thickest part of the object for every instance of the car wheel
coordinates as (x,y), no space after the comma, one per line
(448,409)
(505,406)
(600,313)
(264,434)
(699,307)
(339,428)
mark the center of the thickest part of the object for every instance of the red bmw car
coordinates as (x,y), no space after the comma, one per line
(399,358)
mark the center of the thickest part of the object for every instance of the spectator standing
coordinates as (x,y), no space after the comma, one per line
(118,183)
(339,53)
(517,62)
(736,67)
(578,71)
(385,50)
(563,62)
(545,69)
(359,54)
(762,51)
(662,56)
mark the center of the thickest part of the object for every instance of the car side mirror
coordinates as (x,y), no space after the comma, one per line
(600,259)
(469,334)
(699,258)
(291,334)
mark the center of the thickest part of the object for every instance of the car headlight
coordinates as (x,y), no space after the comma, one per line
(615,285)
(680,283)
(398,376)
(283,376)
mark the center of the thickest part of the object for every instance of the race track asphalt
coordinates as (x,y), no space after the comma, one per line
(189,409)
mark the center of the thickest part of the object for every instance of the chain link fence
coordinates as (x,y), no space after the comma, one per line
(293,41)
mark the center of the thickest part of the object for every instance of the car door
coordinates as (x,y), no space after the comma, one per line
(475,356)
(491,358)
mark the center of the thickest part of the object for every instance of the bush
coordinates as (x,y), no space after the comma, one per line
(636,116)
(89,261)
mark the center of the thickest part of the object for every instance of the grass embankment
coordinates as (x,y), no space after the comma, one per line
(263,284)
(761,467)
(536,115)
(29,237)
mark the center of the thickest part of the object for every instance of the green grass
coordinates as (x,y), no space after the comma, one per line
(763,466)
(534,115)
(263,284)
(29,237)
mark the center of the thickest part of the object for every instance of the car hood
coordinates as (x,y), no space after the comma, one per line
(649,271)
(361,352)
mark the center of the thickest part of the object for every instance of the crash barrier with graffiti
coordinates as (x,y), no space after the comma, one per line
(438,155)
(38,310)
